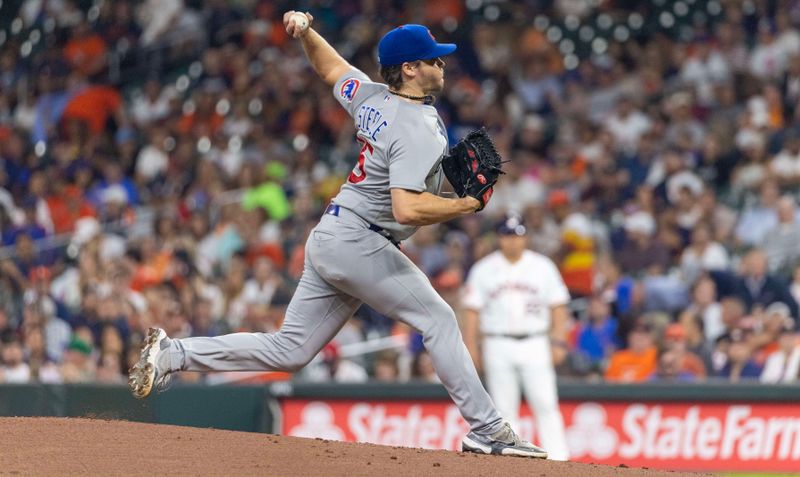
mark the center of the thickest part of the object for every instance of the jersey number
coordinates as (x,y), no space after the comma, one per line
(359,173)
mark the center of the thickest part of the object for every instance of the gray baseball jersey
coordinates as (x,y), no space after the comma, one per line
(402,145)
(347,263)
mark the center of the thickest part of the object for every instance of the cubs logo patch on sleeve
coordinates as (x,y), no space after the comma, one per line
(349,89)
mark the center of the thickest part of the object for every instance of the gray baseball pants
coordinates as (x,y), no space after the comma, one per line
(346,264)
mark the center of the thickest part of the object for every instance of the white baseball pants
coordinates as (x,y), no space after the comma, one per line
(511,365)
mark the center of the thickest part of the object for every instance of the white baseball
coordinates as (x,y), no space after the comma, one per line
(300,20)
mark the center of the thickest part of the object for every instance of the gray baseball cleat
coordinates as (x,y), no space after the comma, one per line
(503,442)
(152,369)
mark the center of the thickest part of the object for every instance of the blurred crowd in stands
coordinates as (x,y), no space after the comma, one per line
(162,161)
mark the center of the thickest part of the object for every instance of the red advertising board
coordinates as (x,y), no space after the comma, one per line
(670,435)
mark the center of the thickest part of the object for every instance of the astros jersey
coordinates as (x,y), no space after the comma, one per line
(402,145)
(514,298)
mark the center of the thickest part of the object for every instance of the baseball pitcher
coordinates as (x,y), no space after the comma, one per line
(515,298)
(351,256)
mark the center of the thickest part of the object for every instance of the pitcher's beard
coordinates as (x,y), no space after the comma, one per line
(435,88)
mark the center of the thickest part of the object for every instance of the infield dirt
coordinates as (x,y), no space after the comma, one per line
(62,446)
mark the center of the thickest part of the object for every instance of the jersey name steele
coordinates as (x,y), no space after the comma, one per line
(370,121)
(401,143)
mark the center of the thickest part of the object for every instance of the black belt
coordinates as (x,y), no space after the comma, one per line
(333,209)
(514,337)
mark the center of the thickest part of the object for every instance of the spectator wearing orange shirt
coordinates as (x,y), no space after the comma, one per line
(94,105)
(204,119)
(637,362)
(152,265)
(86,51)
(67,207)
(676,341)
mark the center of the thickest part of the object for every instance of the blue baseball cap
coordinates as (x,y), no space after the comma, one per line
(410,43)
(511,225)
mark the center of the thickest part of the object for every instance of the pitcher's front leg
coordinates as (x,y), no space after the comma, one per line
(315,314)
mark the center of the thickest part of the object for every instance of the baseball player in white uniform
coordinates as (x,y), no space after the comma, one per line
(516,299)
(352,255)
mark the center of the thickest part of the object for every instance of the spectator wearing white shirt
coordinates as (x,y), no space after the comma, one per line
(14,369)
(627,124)
(238,124)
(783,365)
(703,254)
(769,58)
(688,210)
(756,219)
(731,44)
(781,241)
(15,214)
(515,192)
(705,68)
(684,130)
(156,17)
(152,104)
(25,110)
(261,288)
(152,160)
(706,309)
(788,38)
(329,365)
(752,168)
(785,166)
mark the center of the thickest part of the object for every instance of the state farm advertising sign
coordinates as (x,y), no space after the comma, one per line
(678,436)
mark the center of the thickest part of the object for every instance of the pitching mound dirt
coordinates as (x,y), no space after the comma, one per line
(59,446)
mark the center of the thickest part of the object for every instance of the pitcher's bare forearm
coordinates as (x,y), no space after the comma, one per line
(325,60)
(424,208)
(328,64)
